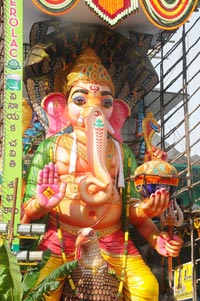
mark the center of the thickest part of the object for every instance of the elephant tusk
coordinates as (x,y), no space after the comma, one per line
(110,128)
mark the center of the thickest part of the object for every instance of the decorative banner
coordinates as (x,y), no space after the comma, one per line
(55,7)
(168,15)
(12,134)
(183,281)
(111,11)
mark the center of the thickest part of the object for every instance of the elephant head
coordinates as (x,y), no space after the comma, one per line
(90,110)
(93,115)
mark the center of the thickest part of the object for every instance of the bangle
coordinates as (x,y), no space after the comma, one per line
(152,238)
(138,216)
(36,205)
(140,213)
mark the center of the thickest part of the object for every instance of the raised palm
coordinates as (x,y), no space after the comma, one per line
(48,192)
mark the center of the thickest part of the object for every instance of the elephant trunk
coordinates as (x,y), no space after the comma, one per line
(96,189)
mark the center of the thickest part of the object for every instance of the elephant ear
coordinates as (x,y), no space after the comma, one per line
(54,105)
(120,112)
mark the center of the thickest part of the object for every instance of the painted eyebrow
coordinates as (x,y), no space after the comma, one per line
(103,93)
(84,91)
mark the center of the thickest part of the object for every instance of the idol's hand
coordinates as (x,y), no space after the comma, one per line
(154,154)
(48,192)
(168,247)
(156,204)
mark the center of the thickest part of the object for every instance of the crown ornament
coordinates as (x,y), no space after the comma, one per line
(88,67)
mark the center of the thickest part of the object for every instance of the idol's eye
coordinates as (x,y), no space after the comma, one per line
(79,100)
(107,102)
(90,234)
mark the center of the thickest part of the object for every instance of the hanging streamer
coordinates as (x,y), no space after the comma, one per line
(12,117)
(55,7)
(111,11)
(168,15)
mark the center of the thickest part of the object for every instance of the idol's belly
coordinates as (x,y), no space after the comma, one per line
(78,214)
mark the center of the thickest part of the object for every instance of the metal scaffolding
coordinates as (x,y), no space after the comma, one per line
(175,105)
(178,99)
(179,71)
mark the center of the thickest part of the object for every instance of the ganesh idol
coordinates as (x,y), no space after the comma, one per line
(77,179)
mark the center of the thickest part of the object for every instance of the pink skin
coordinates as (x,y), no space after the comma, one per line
(48,178)
(168,247)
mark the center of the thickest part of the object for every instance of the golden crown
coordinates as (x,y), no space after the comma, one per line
(88,67)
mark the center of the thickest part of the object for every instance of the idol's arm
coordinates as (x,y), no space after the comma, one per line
(31,209)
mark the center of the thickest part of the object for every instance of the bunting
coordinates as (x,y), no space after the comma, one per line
(168,15)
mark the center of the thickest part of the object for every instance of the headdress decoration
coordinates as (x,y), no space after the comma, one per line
(88,67)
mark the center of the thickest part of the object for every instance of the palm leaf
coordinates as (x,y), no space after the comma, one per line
(50,283)
(38,293)
(32,275)
(10,276)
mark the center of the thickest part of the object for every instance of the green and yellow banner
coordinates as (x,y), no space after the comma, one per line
(12,120)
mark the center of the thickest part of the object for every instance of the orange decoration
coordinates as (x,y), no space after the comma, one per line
(111,11)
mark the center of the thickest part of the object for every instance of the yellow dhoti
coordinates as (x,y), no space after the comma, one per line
(139,282)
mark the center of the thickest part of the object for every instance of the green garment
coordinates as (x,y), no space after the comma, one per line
(41,158)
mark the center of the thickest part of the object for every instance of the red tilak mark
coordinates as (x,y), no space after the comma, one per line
(94,88)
